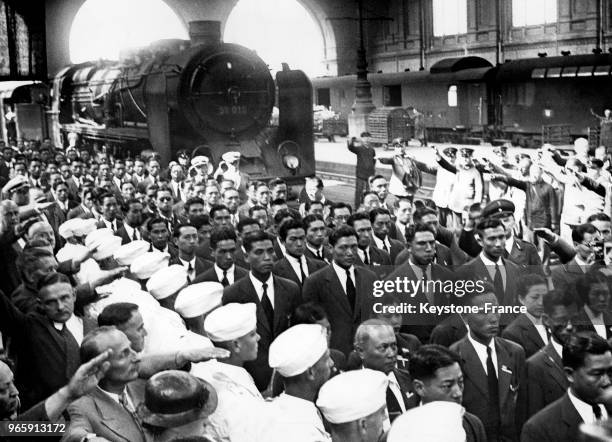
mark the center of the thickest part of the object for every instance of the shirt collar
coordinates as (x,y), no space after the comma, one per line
(591,314)
(557,347)
(192,262)
(584,409)
(488,262)
(258,284)
(341,270)
(533,319)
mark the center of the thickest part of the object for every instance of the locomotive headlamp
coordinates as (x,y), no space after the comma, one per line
(291,162)
(288,151)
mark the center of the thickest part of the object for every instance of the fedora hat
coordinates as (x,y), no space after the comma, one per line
(174,398)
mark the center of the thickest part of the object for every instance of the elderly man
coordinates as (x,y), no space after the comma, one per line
(10,233)
(355,414)
(301,357)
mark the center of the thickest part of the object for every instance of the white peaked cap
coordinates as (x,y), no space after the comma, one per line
(128,253)
(198,299)
(231,321)
(167,281)
(96,237)
(106,247)
(297,349)
(433,422)
(85,226)
(353,395)
(67,229)
(72,252)
(149,263)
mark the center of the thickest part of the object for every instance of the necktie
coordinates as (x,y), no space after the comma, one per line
(366,258)
(597,412)
(302,274)
(123,400)
(428,295)
(267,306)
(498,283)
(493,390)
(224,280)
(189,273)
(350,290)
(135,235)
(319,256)
(393,406)
(385,248)
(71,347)
(178,193)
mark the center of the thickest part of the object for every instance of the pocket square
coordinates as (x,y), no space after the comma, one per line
(506,369)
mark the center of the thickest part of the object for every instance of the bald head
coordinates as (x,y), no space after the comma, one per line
(376,345)
(9,395)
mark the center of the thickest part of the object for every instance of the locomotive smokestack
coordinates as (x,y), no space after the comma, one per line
(205,32)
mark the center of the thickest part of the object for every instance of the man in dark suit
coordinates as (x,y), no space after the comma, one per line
(436,376)
(83,210)
(295,266)
(245,227)
(527,329)
(132,220)
(159,237)
(594,293)
(368,255)
(493,369)
(546,377)
(431,279)
(186,241)
(587,360)
(223,243)
(448,251)
(315,238)
(275,297)
(381,223)
(376,346)
(491,267)
(343,290)
(366,159)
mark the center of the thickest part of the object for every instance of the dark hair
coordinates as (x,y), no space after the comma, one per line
(488,223)
(117,314)
(336,206)
(376,177)
(288,225)
(50,279)
(341,232)
(176,231)
(283,214)
(366,193)
(308,313)
(308,204)
(254,209)
(105,194)
(554,298)
(59,183)
(418,214)
(200,220)
(376,212)
(579,345)
(487,287)
(309,219)
(357,216)
(528,281)
(578,232)
(276,182)
(125,207)
(278,202)
(599,216)
(155,220)
(28,259)
(428,359)
(401,199)
(89,347)
(246,222)
(584,284)
(219,234)
(191,201)
(216,208)
(254,237)
(413,229)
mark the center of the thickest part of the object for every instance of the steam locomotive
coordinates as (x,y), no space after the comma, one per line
(467,97)
(202,95)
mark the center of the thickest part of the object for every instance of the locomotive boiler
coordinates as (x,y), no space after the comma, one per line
(202,95)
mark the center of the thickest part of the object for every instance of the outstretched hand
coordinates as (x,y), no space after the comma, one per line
(87,376)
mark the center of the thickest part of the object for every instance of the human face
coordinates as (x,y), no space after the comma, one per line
(57,301)
(585,249)
(222,218)
(129,166)
(9,395)
(62,192)
(176,173)
(77,168)
(381,225)
(187,240)
(44,266)
(316,209)
(341,215)
(195,209)
(109,208)
(605,229)
(261,257)
(133,217)
(533,299)
(484,325)
(315,234)
(446,385)
(345,251)
(164,201)
(35,169)
(224,253)
(10,214)
(42,231)
(127,191)
(248,346)
(231,199)
(7,154)
(204,233)
(211,195)
(591,382)
(312,190)
(20,169)
(599,297)
(119,170)
(431,220)
(381,187)
(159,235)
(153,168)
(104,172)
(509,223)
(559,322)
(404,212)
(322,369)
(379,352)
(423,248)
(227,185)
(363,227)
(65,171)
(248,229)
(261,216)
(295,243)
(135,331)
(139,168)
(370,202)
(124,360)
(21,196)
(492,241)
(279,191)
(262,194)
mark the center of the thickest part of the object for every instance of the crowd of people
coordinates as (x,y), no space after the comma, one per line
(150,302)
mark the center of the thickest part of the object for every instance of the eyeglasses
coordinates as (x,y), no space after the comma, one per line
(165,198)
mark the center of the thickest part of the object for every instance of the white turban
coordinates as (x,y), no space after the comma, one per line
(167,281)
(231,321)
(297,349)
(198,299)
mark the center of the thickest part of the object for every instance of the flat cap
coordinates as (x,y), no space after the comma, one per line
(231,321)
(15,183)
(198,299)
(167,281)
(353,395)
(297,349)
(149,263)
(498,208)
(423,424)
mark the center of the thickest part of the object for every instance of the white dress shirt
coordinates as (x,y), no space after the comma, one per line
(74,325)
(110,224)
(397,391)
(509,244)
(481,351)
(130,232)
(191,274)
(490,266)
(585,410)
(382,243)
(314,251)
(362,255)
(537,323)
(295,265)
(597,321)
(558,347)
(342,274)
(229,273)
(116,398)
(584,266)
(259,287)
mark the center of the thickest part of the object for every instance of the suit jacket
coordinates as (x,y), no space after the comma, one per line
(583,323)
(396,248)
(327,255)
(380,261)
(523,332)
(564,276)
(211,275)
(366,160)
(286,299)
(240,258)
(405,384)
(324,287)
(546,379)
(172,250)
(558,422)
(449,331)
(98,413)
(511,375)
(200,265)
(525,255)
(122,233)
(448,238)
(283,268)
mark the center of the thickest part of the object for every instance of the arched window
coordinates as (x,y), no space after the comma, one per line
(452,95)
